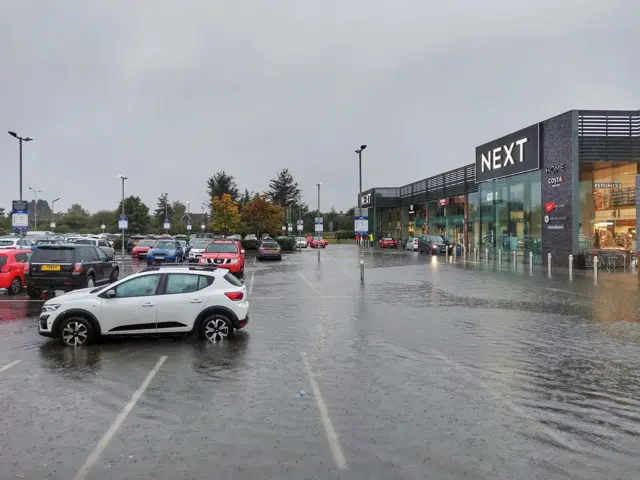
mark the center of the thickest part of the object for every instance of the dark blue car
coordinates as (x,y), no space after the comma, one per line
(165,250)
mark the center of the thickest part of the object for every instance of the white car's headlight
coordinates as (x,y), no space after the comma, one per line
(52,307)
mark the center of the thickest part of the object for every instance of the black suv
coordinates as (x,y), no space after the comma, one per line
(68,267)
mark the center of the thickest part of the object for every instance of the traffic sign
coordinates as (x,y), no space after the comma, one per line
(189,227)
(319,224)
(20,215)
(300,225)
(103,226)
(361,220)
(202,227)
(52,225)
(167,225)
(123,222)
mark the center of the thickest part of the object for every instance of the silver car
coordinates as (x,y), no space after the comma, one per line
(100,243)
(411,245)
(198,248)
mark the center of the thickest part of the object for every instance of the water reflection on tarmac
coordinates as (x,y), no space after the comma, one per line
(427,370)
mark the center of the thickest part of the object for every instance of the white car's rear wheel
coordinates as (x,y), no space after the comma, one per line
(216,328)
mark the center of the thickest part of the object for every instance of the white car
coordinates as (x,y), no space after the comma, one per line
(101,243)
(412,245)
(14,244)
(198,248)
(170,299)
(301,242)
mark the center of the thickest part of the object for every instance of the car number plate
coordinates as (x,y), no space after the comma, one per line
(273,251)
(50,268)
(160,257)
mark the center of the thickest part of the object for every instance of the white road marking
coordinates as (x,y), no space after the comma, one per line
(9,365)
(254,260)
(332,436)
(104,441)
(309,283)
(286,259)
(251,284)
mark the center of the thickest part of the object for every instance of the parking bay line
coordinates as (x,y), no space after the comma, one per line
(251,283)
(106,438)
(332,436)
(308,283)
(9,365)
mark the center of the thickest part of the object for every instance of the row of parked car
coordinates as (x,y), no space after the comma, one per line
(431,244)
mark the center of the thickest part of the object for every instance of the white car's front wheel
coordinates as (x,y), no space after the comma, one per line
(76,332)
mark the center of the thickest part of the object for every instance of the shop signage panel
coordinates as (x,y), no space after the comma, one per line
(366,199)
(513,154)
(443,202)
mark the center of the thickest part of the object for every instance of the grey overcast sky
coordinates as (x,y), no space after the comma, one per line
(170,91)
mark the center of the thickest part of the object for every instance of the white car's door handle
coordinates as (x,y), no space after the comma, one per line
(148,304)
(195,300)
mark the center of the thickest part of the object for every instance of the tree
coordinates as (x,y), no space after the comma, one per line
(226,216)
(137,213)
(283,190)
(178,224)
(163,210)
(222,183)
(245,199)
(43,209)
(105,217)
(262,216)
(75,209)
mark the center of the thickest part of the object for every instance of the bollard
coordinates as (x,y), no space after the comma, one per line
(475,254)
(595,266)
(486,253)
(530,263)
(361,267)
(500,257)
(570,267)
(514,259)
(549,264)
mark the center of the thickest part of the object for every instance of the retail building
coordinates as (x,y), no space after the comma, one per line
(561,186)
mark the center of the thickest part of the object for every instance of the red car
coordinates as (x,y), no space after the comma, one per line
(142,248)
(12,264)
(318,242)
(227,254)
(387,242)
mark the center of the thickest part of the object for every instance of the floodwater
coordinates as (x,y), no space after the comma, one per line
(427,370)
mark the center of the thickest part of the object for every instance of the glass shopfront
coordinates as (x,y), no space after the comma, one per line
(607,206)
(446,218)
(509,217)
(417,222)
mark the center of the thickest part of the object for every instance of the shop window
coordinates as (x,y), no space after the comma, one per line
(607,206)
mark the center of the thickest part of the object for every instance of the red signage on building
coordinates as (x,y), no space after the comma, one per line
(549,207)
(443,202)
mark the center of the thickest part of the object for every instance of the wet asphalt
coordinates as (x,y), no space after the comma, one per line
(428,370)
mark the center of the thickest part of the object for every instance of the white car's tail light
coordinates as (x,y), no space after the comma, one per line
(235,296)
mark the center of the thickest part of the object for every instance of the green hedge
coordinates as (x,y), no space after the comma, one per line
(287,244)
(344,234)
(250,244)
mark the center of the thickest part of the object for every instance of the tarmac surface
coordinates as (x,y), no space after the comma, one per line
(427,370)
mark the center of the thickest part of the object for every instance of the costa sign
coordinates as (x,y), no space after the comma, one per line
(510,155)
(554,170)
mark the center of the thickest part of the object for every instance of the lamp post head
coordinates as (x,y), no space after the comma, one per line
(13,134)
(27,139)
(56,200)
(362,147)
(122,177)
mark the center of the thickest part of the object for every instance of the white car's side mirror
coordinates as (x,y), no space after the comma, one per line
(110,293)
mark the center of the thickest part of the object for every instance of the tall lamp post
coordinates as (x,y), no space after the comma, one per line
(35,207)
(123,178)
(166,211)
(20,140)
(319,183)
(188,217)
(359,152)
(53,212)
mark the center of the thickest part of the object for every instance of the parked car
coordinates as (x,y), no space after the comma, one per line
(13,243)
(133,241)
(165,250)
(12,266)
(432,244)
(251,236)
(227,254)
(68,267)
(269,249)
(318,242)
(100,243)
(387,242)
(209,301)
(411,245)
(301,242)
(45,241)
(197,249)
(142,248)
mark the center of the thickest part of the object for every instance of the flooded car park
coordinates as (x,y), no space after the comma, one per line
(426,369)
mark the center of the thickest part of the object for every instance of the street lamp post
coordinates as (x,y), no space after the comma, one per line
(166,211)
(35,207)
(53,212)
(319,183)
(123,178)
(189,216)
(20,140)
(359,152)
